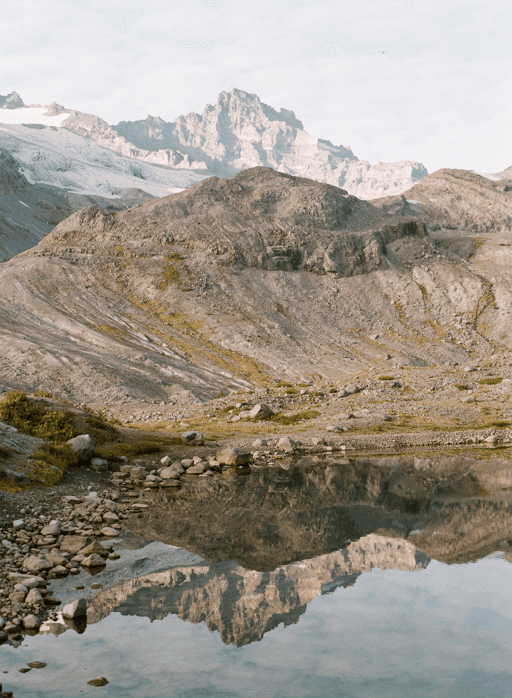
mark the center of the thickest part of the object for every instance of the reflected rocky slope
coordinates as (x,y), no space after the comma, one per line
(254,551)
(243,605)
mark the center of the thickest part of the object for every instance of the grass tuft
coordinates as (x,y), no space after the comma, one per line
(494,380)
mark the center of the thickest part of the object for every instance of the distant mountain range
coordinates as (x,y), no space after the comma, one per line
(63,159)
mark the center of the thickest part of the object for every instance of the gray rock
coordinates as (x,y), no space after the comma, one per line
(58,572)
(37,564)
(73,544)
(187,462)
(14,476)
(195,470)
(110,517)
(194,438)
(261,411)
(51,529)
(352,389)
(75,609)
(166,460)
(19,523)
(71,500)
(34,598)
(93,560)
(31,622)
(169,474)
(99,464)
(287,444)
(3,637)
(233,456)
(94,547)
(109,532)
(83,445)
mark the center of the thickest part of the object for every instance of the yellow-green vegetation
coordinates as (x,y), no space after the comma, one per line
(19,411)
(201,349)
(424,292)
(44,393)
(60,455)
(386,378)
(494,380)
(462,386)
(291,391)
(100,431)
(171,273)
(112,331)
(287,419)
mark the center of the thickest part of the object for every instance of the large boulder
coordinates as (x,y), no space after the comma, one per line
(36,564)
(194,438)
(74,544)
(233,456)
(75,609)
(83,445)
(261,411)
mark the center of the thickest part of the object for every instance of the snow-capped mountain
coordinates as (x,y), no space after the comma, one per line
(79,158)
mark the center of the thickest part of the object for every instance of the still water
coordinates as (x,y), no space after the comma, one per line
(374,617)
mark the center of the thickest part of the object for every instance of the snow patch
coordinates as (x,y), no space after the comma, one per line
(31,115)
(489,175)
(412,201)
(21,202)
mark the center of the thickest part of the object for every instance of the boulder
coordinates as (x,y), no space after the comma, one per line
(166,460)
(34,598)
(74,544)
(51,529)
(96,548)
(109,517)
(261,411)
(195,469)
(287,444)
(93,560)
(35,564)
(194,438)
(31,622)
(13,476)
(109,532)
(83,445)
(58,572)
(233,456)
(99,464)
(75,609)
(170,483)
(169,474)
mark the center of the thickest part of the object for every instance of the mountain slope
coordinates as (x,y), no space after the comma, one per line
(236,282)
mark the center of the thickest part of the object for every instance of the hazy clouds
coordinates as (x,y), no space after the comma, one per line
(400,79)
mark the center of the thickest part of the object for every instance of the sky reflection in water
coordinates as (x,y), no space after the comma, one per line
(441,631)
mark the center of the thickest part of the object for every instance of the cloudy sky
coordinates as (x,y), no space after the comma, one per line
(393,79)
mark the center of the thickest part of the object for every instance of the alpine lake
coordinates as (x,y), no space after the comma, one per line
(317,578)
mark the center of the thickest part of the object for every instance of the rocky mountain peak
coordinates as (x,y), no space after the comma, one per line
(11,101)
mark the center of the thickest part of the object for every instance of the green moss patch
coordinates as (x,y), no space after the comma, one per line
(29,418)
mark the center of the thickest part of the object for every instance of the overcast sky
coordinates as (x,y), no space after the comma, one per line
(393,79)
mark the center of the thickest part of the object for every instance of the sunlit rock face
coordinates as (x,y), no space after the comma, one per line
(239,131)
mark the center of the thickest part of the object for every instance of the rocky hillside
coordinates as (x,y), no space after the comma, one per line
(238,282)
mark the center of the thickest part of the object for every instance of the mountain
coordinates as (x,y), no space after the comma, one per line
(237,282)
(64,159)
